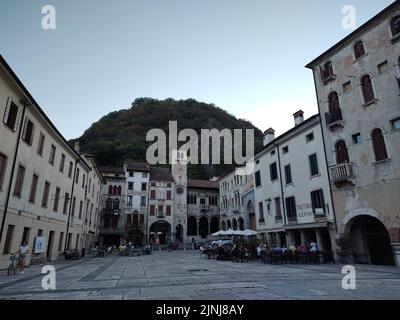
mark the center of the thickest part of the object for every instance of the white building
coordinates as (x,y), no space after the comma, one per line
(358,88)
(291,187)
(44,183)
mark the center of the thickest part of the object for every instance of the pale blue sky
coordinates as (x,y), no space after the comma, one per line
(246,56)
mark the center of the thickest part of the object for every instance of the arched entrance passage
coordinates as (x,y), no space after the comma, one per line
(223,225)
(192,226)
(241,223)
(252,215)
(370,241)
(179,232)
(214,227)
(228,224)
(160,232)
(136,237)
(234,224)
(203,227)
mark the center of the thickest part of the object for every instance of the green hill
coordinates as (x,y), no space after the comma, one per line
(121,135)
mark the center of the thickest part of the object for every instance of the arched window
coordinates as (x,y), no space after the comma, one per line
(116,204)
(333,100)
(327,70)
(342,155)
(228,224)
(192,226)
(115,190)
(223,225)
(234,223)
(359,50)
(367,90)
(395,25)
(119,190)
(110,190)
(109,203)
(378,143)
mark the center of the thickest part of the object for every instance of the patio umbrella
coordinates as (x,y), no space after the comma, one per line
(249,232)
(218,233)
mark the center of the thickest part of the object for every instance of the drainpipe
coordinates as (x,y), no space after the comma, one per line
(25,104)
(70,206)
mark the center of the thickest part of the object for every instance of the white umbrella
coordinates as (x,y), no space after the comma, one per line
(218,233)
(228,232)
(249,232)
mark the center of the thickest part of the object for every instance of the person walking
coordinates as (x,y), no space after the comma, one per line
(23,251)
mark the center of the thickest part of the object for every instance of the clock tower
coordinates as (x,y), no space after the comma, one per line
(179,173)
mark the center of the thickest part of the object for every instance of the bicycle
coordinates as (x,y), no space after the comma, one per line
(13,267)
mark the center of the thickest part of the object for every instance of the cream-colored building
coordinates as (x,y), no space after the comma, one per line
(44,183)
(358,89)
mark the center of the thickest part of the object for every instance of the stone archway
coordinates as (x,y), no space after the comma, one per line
(160,232)
(370,240)
(179,233)
(241,223)
(223,225)
(234,224)
(214,225)
(228,224)
(203,227)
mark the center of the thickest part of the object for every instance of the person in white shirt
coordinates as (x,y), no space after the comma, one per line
(23,251)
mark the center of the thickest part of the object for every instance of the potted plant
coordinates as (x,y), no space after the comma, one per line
(344,249)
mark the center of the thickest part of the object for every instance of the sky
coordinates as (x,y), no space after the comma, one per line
(245,56)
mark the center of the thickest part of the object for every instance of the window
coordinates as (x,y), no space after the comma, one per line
(130,198)
(168,210)
(32,194)
(60,241)
(169,185)
(3,162)
(356,138)
(144,186)
(359,50)
(77,175)
(285,149)
(70,169)
(11,115)
(26,234)
(273,171)
(41,144)
(333,100)
(367,90)
(9,238)
(144,175)
(52,154)
(395,124)
(46,191)
(395,25)
(326,71)
(128,218)
(313,164)
(152,209)
(56,200)
(130,186)
(378,143)
(317,200)
(62,162)
(258,178)
(288,174)
(272,152)
(27,134)
(131,174)
(310,137)
(261,212)
(342,155)
(278,212)
(66,201)
(19,181)
(73,206)
(83,180)
(142,201)
(291,208)
(347,87)
(80,209)
(119,190)
(169,195)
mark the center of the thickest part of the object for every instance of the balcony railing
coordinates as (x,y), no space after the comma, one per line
(334,118)
(341,172)
(204,207)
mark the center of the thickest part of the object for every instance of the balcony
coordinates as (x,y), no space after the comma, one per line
(342,172)
(204,207)
(334,119)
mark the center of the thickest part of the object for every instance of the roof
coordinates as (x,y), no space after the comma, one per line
(4,63)
(348,38)
(137,166)
(283,135)
(117,170)
(202,184)
(160,174)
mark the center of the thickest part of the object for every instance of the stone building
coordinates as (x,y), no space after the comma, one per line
(49,192)
(202,209)
(232,208)
(357,83)
(291,187)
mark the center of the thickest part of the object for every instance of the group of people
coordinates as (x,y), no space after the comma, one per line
(20,257)
(293,248)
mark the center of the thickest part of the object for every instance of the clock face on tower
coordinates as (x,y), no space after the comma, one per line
(180,189)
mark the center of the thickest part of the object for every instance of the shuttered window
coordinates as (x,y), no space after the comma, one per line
(10,118)
(313,164)
(28,132)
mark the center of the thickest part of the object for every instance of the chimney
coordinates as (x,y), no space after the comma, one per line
(298,117)
(269,135)
(77,147)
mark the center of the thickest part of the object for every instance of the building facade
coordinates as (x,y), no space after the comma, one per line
(358,89)
(44,182)
(291,187)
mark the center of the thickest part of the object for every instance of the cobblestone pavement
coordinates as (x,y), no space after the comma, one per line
(186,275)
